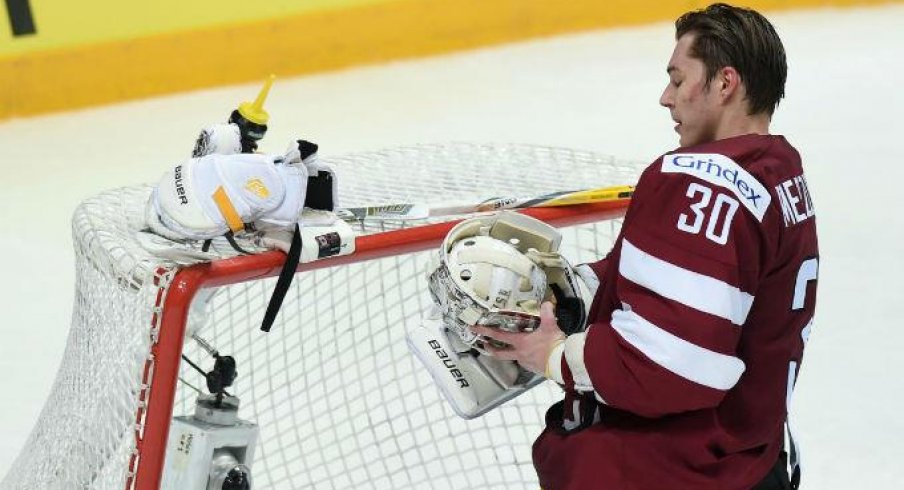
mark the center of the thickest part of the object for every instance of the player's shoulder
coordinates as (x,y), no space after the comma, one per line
(766,158)
(746,166)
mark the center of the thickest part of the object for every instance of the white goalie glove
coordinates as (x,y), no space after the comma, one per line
(473,383)
(214,194)
(493,271)
(218,139)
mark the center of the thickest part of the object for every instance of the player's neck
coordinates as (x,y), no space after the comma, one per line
(736,122)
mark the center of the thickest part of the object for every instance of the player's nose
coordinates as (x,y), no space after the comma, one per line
(666,99)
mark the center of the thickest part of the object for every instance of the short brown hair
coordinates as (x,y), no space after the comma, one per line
(742,38)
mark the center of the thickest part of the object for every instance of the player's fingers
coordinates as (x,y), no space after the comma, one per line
(548,316)
(506,354)
(494,333)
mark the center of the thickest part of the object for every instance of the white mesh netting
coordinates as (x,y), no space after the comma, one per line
(340,401)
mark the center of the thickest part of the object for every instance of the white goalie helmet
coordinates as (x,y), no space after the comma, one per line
(497,270)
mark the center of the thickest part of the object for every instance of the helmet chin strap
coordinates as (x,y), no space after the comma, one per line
(570,311)
(570,307)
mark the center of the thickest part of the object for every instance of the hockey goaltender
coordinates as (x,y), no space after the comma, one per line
(694,339)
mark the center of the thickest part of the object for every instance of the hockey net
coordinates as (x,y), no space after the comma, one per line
(340,401)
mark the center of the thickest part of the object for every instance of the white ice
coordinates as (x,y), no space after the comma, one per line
(597,91)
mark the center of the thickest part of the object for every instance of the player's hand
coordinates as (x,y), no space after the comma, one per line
(530,349)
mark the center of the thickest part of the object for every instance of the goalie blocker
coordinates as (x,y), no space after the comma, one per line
(493,271)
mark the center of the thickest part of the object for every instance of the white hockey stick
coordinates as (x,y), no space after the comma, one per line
(413,211)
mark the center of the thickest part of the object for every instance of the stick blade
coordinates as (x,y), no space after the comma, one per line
(401,212)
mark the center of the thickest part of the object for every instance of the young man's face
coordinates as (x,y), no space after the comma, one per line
(694,106)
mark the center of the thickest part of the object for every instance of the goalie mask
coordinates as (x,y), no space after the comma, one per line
(496,271)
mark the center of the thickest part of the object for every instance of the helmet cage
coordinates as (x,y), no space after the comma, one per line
(461,310)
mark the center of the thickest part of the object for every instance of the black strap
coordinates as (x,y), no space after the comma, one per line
(777,478)
(284,281)
(793,461)
(231,239)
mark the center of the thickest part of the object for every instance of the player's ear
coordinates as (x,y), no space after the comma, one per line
(728,82)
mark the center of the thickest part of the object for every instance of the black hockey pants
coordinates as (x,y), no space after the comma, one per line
(777,478)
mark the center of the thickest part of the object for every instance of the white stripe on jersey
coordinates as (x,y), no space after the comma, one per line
(690,361)
(687,287)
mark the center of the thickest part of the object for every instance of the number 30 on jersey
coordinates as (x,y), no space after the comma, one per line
(716,218)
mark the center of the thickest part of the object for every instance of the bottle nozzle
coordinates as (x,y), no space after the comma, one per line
(251,118)
(254,111)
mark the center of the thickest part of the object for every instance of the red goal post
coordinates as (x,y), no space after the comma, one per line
(340,402)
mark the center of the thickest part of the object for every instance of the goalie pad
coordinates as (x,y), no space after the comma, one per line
(209,196)
(472,383)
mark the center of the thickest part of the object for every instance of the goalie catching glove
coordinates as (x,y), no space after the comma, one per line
(492,271)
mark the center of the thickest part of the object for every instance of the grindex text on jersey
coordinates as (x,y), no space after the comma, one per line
(722,171)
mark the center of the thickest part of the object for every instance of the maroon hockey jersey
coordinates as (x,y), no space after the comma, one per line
(697,330)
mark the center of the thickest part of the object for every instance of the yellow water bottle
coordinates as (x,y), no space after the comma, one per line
(251,118)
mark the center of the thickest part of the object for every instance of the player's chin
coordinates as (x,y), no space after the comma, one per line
(682,136)
(685,138)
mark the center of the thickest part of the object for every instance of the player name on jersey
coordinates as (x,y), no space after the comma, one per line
(794,196)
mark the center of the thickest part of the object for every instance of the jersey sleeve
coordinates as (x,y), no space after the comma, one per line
(599,267)
(688,268)
(592,273)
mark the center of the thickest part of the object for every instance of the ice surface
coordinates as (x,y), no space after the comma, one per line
(594,91)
